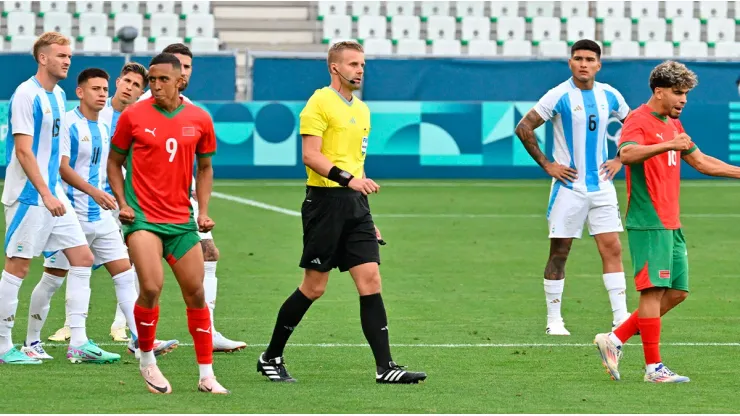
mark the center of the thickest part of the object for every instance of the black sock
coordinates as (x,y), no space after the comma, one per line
(289,316)
(375,328)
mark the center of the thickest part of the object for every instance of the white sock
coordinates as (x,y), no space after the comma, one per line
(9,287)
(615,339)
(554,298)
(616,286)
(126,296)
(649,368)
(210,288)
(78,303)
(205,370)
(40,304)
(119,321)
(147,358)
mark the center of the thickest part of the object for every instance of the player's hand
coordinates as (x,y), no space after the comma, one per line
(610,168)
(379,236)
(365,185)
(205,223)
(564,174)
(126,216)
(54,205)
(105,200)
(681,142)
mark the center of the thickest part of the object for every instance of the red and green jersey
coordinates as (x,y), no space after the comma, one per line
(653,187)
(161,149)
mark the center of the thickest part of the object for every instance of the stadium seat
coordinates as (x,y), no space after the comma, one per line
(570,9)
(476,28)
(617,28)
(164,24)
(378,46)
(124,7)
(674,9)
(441,27)
(625,49)
(21,23)
(651,29)
(124,19)
(446,47)
(337,26)
(156,7)
(713,9)
(539,9)
(195,7)
(199,25)
(501,9)
(165,41)
(553,49)
(545,28)
(517,47)
(434,8)
(578,28)
(22,43)
(365,8)
(399,8)
(141,44)
(337,40)
(331,8)
(16,6)
(481,47)
(369,26)
(88,7)
(204,45)
(405,27)
(94,24)
(53,6)
(469,9)
(685,29)
(609,9)
(727,50)
(411,47)
(97,44)
(58,22)
(658,49)
(510,28)
(644,9)
(693,49)
(721,30)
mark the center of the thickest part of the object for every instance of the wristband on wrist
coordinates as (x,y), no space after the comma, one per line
(339,176)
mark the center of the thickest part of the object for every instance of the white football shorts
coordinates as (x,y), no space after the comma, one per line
(570,209)
(105,241)
(31,230)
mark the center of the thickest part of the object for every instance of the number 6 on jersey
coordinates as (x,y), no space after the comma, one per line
(171,147)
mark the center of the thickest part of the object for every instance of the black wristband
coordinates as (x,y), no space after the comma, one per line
(339,176)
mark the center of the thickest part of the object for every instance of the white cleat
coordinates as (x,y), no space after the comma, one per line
(556,328)
(62,334)
(36,350)
(610,355)
(618,323)
(119,334)
(160,347)
(210,385)
(155,381)
(223,344)
(663,375)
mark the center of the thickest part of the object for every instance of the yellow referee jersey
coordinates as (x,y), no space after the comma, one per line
(344,127)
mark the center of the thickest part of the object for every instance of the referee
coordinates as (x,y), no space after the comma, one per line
(338,230)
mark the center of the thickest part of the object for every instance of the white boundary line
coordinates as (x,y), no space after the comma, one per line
(257,204)
(513,345)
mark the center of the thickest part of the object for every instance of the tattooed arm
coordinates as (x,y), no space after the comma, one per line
(525,131)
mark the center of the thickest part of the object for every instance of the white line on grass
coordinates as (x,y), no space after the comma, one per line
(257,204)
(512,345)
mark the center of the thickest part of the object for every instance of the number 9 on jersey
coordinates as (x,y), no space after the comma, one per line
(171,147)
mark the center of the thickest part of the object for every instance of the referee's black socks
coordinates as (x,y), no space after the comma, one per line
(375,328)
(288,318)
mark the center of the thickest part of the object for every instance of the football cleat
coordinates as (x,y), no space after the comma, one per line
(62,334)
(13,356)
(36,350)
(210,385)
(556,328)
(396,374)
(663,375)
(119,334)
(274,369)
(223,344)
(90,353)
(155,381)
(160,347)
(610,354)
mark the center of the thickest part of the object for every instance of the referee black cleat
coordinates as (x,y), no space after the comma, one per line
(274,369)
(396,374)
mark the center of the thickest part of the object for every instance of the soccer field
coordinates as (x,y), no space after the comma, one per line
(462,282)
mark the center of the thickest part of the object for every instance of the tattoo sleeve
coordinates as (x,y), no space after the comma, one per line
(525,131)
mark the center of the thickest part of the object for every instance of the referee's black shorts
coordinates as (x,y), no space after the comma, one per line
(338,230)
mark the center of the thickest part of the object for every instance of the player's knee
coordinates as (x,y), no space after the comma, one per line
(150,292)
(18,269)
(611,249)
(678,297)
(81,258)
(61,273)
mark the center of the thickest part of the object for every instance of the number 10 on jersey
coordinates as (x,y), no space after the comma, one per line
(672,158)
(171,146)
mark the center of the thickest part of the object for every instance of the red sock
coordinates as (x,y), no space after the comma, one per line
(199,324)
(650,333)
(628,329)
(146,323)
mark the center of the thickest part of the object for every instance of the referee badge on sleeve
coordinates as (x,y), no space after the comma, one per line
(188,131)
(364,145)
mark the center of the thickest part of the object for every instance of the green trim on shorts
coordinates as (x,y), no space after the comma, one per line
(177,239)
(660,259)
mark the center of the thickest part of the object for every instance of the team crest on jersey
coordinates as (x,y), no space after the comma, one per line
(664,274)
(188,131)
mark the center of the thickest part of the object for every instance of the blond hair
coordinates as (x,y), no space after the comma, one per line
(672,74)
(336,50)
(48,39)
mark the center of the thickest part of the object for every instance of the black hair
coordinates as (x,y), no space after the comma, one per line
(166,58)
(586,45)
(91,73)
(178,48)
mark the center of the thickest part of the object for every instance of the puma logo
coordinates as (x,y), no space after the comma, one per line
(147,323)
(207,331)
(151,131)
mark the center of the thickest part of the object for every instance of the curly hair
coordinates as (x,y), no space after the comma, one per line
(672,74)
